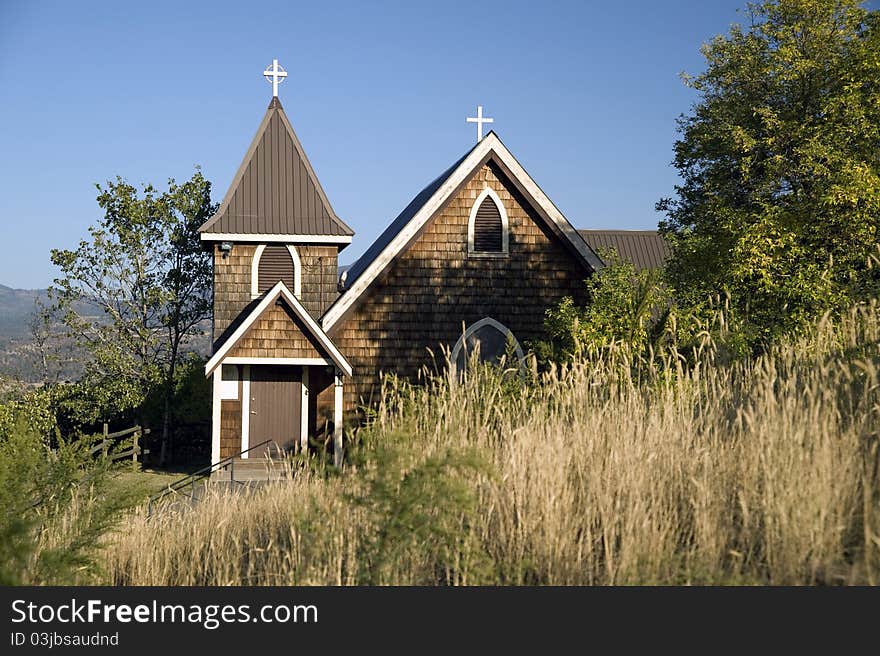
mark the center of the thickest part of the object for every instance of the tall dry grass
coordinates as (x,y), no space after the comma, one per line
(607,471)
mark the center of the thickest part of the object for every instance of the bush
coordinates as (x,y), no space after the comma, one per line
(625,306)
(54,508)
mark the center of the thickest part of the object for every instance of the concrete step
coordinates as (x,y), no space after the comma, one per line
(253,469)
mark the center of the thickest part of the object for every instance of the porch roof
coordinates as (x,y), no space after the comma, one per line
(279,291)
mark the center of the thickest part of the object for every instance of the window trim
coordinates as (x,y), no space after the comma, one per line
(488,192)
(474,327)
(255,271)
(229,386)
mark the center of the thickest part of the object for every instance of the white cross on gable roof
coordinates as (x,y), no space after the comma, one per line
(479,120)
(274,74)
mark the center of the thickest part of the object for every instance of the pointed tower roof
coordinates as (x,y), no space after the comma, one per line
(275,195)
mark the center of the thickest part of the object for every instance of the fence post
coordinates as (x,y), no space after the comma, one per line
(134,450)
(104,445)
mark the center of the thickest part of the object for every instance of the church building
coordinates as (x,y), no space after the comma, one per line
(476,257)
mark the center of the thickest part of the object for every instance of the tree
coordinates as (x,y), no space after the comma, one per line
(779,204)
(55,504)
(136,292)
(626,307)
(49,358)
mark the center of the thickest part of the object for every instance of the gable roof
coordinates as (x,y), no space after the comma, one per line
(409,223)
(643,248)
(354,271)
(281,291)
(275,192)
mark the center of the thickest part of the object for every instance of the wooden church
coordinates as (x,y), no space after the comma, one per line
(476,257)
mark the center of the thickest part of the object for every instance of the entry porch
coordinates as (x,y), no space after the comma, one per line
(266,375)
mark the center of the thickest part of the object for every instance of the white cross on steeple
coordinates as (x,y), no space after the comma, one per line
(274,74)
(479,120)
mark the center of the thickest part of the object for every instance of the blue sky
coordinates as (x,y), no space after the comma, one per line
(585,94)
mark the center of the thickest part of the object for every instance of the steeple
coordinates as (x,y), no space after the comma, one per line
(276,193)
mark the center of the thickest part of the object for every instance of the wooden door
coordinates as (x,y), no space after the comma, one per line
(276,397)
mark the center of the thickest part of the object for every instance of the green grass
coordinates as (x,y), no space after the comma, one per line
(142,483)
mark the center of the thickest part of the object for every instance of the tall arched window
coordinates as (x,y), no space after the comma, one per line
(491,340)
(274,262)
(487,226)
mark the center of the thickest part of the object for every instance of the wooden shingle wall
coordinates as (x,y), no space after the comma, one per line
(277,333)
(319,277)
(230,427)
(232,281)
(232,284)
(434,289)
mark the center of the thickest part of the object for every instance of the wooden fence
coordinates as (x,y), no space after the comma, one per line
(136,433)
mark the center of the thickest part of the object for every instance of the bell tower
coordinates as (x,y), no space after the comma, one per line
(275,223)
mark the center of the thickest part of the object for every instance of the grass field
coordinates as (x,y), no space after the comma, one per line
(605,472)
(143,483)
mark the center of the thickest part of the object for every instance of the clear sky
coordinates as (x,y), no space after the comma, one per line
(585,94)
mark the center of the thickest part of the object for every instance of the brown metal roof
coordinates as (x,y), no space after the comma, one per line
(643,248)
(275,190)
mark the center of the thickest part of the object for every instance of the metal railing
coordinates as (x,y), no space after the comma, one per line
(191,479)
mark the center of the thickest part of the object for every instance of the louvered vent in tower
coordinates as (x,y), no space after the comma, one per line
(275,264)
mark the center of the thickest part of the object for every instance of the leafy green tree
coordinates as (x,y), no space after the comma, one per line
(626,307)
(136,293)
(779,205)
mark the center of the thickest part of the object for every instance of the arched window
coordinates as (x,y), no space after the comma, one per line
(274,262)
(491,339)
(487,226)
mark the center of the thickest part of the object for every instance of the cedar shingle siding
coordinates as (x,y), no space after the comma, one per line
(433,290)
(487,228)
(230,427)
(232,282)
(278,333)
(424,286)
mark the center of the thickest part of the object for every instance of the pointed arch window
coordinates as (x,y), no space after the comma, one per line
(488,230)
(491,340)
(274,262)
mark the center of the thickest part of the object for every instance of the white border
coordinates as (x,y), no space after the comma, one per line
(304,410)
(229,388)
(308,362)
(245,410)
(272,238)
(255,270)
(488,192)
(474,327)
(280,290)
(490,145)
(215,418)
(338,401)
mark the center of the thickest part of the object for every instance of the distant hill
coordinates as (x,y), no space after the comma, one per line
(18,359)
(16,309)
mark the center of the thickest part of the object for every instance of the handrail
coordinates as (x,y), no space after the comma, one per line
(198,475)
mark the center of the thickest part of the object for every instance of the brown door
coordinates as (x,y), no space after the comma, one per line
(276,396)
